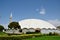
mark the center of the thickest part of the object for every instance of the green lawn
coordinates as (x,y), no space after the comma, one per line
(28,37)
(2,33)
(45,38)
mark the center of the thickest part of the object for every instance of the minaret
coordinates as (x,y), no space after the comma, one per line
(10,17)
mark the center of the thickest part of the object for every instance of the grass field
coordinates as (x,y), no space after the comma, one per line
(45,38)
(28,37)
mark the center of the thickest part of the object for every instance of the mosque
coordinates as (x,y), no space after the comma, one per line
(31,25)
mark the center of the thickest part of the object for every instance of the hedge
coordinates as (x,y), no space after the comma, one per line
(19,37)
(32,32)
(10,38)
(23,36)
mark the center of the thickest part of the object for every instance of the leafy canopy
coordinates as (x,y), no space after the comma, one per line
(1,28)
(14,25)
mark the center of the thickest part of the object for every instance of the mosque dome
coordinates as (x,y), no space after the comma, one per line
(35,23)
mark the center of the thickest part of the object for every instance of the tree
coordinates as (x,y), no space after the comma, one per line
(14,25)
(58,27)
(37,31)
(1,28)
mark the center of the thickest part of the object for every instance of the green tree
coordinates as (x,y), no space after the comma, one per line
(1,28)
(14,25)
(58,27)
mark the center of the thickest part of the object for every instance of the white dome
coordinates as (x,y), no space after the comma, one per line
(35,23)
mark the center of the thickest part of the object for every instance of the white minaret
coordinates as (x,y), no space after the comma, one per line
(11,17)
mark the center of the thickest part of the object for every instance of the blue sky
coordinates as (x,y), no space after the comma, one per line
(26,9)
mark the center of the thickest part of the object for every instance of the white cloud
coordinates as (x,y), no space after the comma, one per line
(55,22)
(42,11)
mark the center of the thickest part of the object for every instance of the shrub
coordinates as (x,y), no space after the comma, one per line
(10,38)
(1,28)
(38,31)
(55,33)
(50,33)
(19,37)
(20,30)
(31,32)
